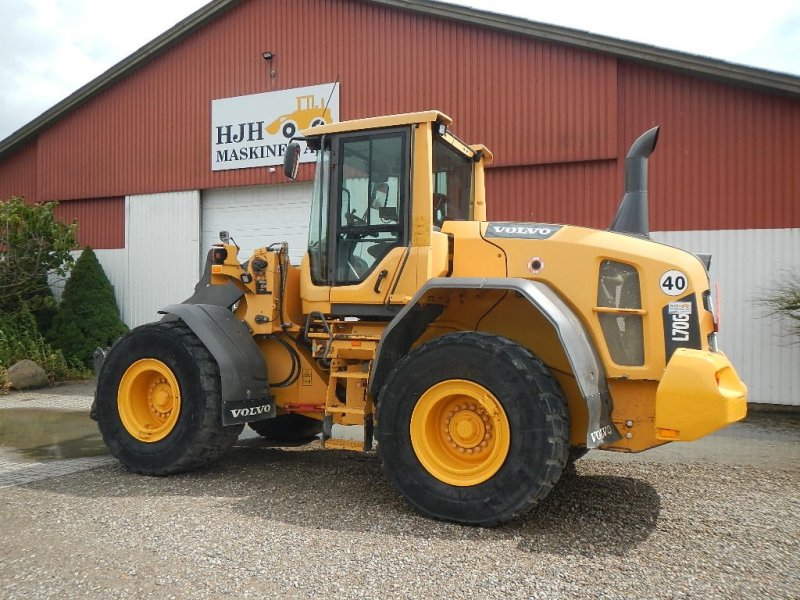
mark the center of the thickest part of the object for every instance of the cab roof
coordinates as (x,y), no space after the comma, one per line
(428,116)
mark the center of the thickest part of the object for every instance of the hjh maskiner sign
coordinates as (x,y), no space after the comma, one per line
(252,131)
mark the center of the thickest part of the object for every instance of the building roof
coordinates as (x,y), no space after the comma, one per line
(691,64)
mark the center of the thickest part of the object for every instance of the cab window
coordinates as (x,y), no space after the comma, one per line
(452,184)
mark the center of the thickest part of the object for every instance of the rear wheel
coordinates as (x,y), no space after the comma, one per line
(159,401)
(288,428)
(472,428)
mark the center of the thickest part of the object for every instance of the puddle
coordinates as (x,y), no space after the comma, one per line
(40,435)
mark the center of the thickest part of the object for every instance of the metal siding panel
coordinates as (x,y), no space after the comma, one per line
(18,174)
(257,217)
(747,264)
(163,244)
(727,157)
(575,193)
(101,221)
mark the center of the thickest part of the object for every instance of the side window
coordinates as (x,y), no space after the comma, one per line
(452,184)
(372,190)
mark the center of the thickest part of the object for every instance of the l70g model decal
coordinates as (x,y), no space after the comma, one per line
(681,325)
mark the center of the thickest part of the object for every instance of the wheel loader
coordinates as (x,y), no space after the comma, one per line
(481,356)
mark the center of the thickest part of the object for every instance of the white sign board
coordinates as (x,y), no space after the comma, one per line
(252,131)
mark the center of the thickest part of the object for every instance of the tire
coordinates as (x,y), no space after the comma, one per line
(288,129)
(457,393)
(159,401)
(317,122)
(575,454)
(288,428)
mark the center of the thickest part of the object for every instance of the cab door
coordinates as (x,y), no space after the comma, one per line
(368,231)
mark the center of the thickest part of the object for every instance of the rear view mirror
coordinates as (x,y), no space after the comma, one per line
(291,160)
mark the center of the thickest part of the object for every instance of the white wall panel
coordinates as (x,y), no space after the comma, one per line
(748,264)
(163,241)
(257,217)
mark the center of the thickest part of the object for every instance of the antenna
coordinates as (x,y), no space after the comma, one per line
(333,89)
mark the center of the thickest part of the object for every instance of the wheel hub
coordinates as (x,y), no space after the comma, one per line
(161,399)
(468,428)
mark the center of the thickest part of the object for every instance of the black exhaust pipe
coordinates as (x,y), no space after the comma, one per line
(632,215)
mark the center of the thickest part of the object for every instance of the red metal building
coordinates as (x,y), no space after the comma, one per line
(128,155)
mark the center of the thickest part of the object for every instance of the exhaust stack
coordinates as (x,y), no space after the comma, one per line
(632,215)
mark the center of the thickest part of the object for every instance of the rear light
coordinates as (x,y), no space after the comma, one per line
(712,305)
(219,255)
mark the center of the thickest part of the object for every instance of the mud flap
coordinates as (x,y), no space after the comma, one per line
(245,389)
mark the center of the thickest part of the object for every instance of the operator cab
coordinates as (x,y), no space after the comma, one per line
(383,188)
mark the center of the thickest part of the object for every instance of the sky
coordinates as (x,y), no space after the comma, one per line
(50,48)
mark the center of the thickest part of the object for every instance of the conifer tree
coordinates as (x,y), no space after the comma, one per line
(88,317)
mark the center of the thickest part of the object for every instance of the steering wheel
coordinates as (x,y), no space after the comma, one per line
(354,220)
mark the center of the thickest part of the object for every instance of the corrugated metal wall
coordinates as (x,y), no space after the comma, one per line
(748,265)
(150,133)
(163,247)
(18,174)
(583,193)
(727,158)
(101,221)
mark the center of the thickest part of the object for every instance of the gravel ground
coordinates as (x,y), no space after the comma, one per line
(302,522)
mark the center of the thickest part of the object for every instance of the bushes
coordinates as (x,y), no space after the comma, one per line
(35,245)
(88,316)
(20,338)
(784,301)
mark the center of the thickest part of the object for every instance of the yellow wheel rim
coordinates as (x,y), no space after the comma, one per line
(149,400)
(460,432)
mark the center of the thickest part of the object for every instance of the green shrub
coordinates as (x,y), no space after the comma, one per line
(88,317)
(784,302)
(33,244)
(20,338)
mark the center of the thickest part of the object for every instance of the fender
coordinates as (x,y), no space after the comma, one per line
(245,389)
(412,320)
(205,293)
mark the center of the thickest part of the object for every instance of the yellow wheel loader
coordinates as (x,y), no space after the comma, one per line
(481,356)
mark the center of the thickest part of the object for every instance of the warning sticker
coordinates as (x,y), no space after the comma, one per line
(680,308)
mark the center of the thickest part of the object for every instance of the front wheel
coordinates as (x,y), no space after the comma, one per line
(472,428)
(159,401)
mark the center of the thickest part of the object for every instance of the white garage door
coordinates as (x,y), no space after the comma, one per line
(257,217)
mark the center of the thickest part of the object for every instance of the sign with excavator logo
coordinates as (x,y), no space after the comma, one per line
(253,131)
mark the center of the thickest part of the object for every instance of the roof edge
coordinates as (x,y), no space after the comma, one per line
(721,70)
